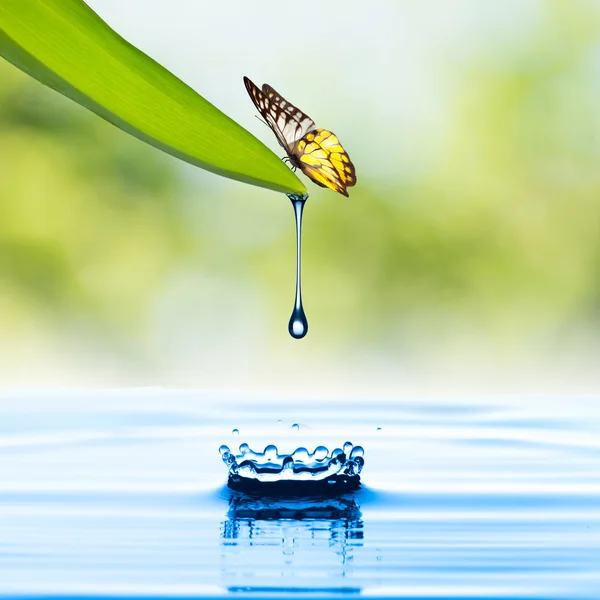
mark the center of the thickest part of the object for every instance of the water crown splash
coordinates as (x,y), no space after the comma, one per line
(298,325)
(252,470)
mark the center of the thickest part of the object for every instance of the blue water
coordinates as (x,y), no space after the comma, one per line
(122,494)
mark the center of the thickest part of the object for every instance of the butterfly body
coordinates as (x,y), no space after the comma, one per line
(316,152)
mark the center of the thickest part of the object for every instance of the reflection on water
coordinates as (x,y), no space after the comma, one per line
(291,536)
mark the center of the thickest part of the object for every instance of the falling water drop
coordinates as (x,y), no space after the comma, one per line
(295,426)
(235,432)
(298,325)
(379,429)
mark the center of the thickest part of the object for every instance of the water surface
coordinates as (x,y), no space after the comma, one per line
(122,494)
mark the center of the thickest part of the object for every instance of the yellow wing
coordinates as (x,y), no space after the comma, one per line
(323,159)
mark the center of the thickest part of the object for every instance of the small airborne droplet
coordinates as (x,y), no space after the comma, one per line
(295,426)
(279,421)
(235,432)
(379,429)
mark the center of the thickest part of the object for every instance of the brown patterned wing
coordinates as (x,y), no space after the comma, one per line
(294,123)
(288,123)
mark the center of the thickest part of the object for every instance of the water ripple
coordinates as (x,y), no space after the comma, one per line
(116,496)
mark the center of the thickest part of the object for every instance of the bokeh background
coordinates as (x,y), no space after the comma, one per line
(467,256)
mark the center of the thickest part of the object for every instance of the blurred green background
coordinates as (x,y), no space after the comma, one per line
(469,250)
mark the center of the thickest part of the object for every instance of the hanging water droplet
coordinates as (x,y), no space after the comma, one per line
(348,448)
(298,325)
(235,432)
(295,426)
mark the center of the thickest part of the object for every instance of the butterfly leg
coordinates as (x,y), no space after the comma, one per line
(287,159)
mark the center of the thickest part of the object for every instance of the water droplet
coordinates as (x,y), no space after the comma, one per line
(298,325)
(357,451)
(348,448)
(270,452)
(244,448)
(301,455)
(379,429)
(295,426)
(235,432)
(226,455)
(337,452)
(279,421)
(320,453)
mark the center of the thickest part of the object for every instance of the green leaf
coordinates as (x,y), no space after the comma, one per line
(66,46)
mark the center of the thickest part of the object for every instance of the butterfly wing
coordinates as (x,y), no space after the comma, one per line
(337,155)
(294,123)
(323,159)
(317,152)
(288,123)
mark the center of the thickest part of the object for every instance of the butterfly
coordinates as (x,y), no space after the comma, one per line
(316,152)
